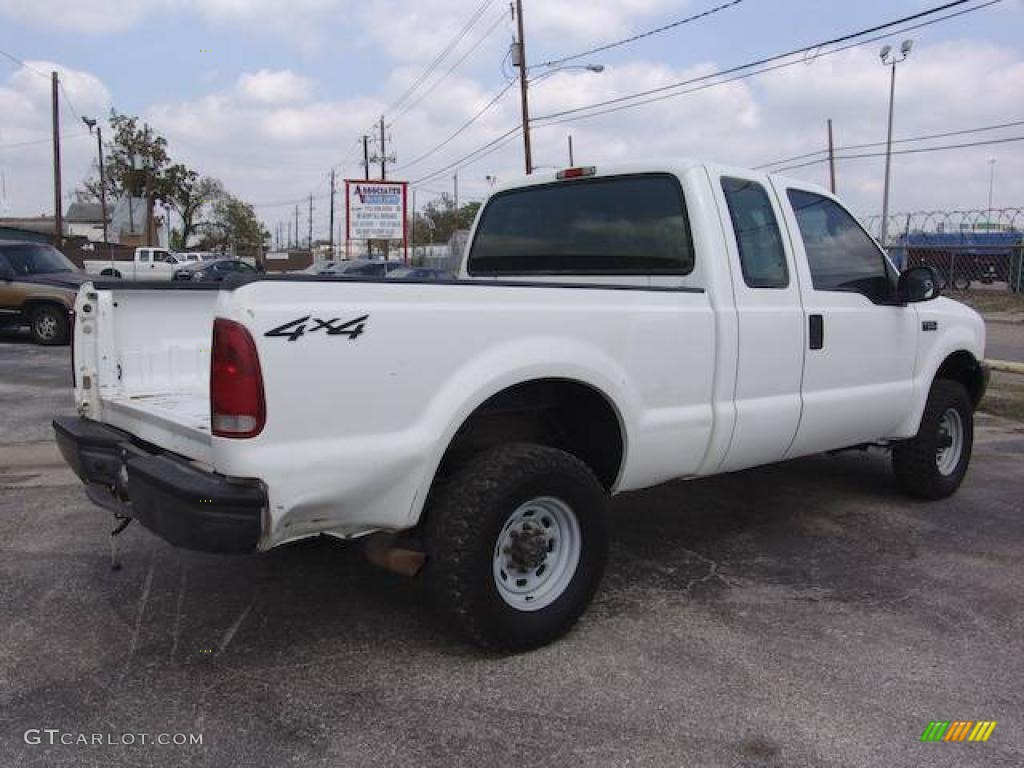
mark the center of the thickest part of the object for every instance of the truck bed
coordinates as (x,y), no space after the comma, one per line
(357,424)
(151,350)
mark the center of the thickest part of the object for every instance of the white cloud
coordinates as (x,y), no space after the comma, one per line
(416,31)
(25,149)
(268,139)
(89,16)
(274,87)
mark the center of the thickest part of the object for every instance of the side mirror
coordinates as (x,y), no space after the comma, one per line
(918,284)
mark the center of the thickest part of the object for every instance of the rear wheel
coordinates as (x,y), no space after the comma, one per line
(932,464)
(517,544)
(49,325)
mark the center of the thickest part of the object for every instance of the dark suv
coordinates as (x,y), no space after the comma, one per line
(38,286)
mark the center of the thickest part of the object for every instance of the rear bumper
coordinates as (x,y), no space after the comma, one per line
(186,506)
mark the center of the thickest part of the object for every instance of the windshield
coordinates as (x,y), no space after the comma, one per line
(37,260)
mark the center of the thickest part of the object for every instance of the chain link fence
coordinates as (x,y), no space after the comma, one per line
(969,249)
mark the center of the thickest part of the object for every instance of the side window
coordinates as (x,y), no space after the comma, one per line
(762,255)
(144,256)
(841,256)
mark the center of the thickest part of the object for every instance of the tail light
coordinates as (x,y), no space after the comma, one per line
(237,406)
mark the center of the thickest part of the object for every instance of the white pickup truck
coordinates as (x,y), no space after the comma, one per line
(610,329)
(146,264)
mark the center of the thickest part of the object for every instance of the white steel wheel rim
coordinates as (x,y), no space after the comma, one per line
(46,326)
(951,441)
(537,553)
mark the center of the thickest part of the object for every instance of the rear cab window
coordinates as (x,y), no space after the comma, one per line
(618,225)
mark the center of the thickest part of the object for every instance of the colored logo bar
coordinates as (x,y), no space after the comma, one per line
(958,730)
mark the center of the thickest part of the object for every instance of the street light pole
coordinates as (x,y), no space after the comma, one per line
(103,185)
(991,182)
(891,62)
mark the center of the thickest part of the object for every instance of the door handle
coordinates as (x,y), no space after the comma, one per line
(816,327)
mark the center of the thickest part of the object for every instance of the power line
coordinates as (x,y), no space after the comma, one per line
(47,140)
(21,63)
(926,137)
(436,62)
(477,154)
(911,151)
(413,104)
(461,128)
(641,35)
(593,110)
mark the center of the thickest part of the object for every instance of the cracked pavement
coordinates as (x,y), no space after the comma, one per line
(803,614)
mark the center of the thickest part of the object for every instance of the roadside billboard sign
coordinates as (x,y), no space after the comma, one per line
(375,210)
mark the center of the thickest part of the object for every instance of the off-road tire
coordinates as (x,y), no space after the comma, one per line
(48,325)
(914,461)
(463,528)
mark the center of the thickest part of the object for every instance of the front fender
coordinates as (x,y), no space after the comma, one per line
(959,330)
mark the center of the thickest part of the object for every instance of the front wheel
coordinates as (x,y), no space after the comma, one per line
(932,464)
(517,544)
(49,325)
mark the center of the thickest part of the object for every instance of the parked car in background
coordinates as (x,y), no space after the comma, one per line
(146,264)
(363,268)
(38,286)
(406,272)
(193,256)
(317,267)
(214,271)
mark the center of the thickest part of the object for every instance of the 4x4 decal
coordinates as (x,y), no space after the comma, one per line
(295,329)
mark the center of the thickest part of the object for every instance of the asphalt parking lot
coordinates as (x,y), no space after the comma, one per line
(803,614)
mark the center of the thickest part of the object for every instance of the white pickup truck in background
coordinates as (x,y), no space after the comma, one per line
(146,264)
(610,329)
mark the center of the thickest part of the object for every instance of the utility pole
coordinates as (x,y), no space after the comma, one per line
(296,226)
(831,160)
(383,153)
(58,216)
(519,59)
(289,242)
(366,157)
(330,228)
(455,179)
(571,163)
(309,239)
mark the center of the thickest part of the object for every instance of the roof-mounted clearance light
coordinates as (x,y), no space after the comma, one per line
(576,173)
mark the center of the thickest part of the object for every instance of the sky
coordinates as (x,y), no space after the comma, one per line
(268,96)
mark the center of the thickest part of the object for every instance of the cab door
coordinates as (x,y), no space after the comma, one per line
(770,320)
(861,343)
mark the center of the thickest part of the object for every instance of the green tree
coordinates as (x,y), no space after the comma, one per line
(437,221)
(233,226)
(189,194)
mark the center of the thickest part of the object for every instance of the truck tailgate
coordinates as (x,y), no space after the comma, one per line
(142,361)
